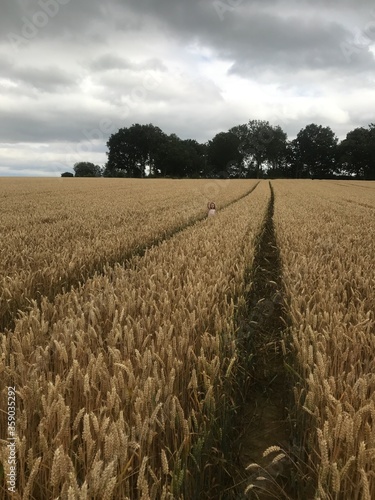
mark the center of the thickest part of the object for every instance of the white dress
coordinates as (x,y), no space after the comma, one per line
(211,212)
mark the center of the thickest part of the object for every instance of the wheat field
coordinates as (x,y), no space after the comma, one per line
(120,380)
(326,233)
(120,306)
(57,232)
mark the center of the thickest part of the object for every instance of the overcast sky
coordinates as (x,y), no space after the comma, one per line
(74,71)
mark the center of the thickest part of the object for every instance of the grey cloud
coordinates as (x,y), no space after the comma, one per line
(51,125)
(11,14)
(253,34)
(27,21)
(23,127)
(258,35)
(49,79)
(293,44)
(110,61)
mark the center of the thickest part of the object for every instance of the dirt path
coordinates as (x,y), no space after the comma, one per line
(262,417)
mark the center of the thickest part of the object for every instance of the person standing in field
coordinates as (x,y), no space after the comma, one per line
(211,209)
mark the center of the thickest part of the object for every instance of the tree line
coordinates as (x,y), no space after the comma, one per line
(254,149)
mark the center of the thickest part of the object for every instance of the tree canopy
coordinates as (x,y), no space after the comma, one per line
(224,158)
(87,169)
(315,151)
(357,152)
(253,149)
(134,149)
(262,146)
(142,150)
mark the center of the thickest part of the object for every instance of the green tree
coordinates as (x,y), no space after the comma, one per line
(315,152)
(179,158)
(169,158)
(197,158)
(146,149)
(277,152)
(262,145)
(357,153)
(134,149)
(224,158)
(291,167)
(87,169)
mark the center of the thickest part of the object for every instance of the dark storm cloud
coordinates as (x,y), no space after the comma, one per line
(50,18)
(258,35)
(254,35)
(248,31)
(292,44)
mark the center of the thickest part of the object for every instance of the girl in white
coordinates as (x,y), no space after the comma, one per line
(211,208)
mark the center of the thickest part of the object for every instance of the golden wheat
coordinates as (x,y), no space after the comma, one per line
(120,380)
(325,231)
(57,232)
